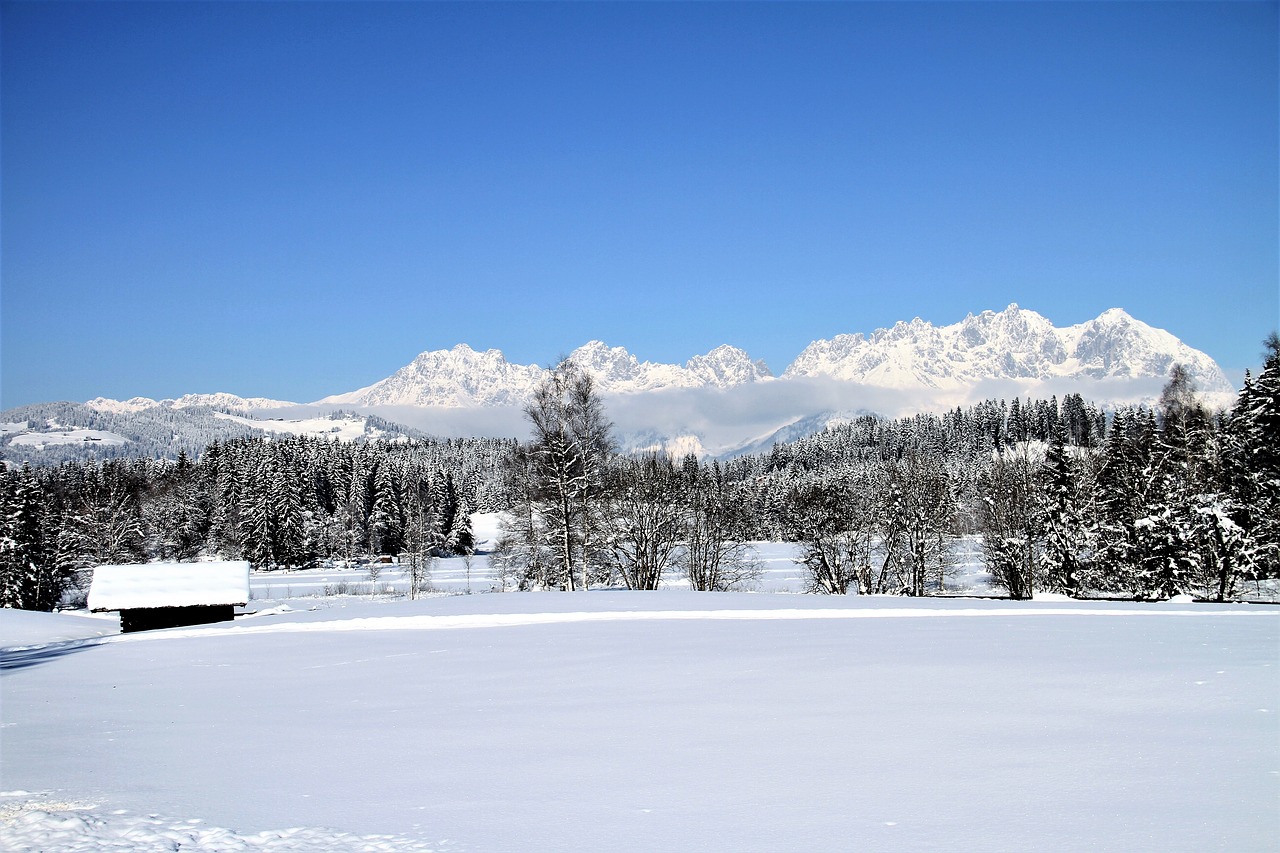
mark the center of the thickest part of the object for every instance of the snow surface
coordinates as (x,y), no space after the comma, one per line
(41,440)
(326,426)
(169,585)
(672,720)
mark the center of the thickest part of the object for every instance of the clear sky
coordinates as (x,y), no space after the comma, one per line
(294,199)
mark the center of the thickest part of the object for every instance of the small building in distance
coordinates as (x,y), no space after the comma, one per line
(170,595)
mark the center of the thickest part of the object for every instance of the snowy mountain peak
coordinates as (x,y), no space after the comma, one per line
(457,377)
(608,365)
(618,371)
(463,377)
(1015,343)
(726,366)
(1116,315)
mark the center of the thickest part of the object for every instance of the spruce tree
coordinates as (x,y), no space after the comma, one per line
(1120,501)
(30,578)
(1253,465)
(1066,538)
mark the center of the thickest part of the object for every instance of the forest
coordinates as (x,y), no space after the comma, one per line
(1139,503)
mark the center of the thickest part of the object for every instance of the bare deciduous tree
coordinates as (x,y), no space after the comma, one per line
(571,447)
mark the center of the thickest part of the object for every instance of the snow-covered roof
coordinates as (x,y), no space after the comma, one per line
(169,585)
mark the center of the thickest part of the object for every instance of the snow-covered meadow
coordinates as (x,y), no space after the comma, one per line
(663,721)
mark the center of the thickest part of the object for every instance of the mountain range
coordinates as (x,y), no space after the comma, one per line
(724,401)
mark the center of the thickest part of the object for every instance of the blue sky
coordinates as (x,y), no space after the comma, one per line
(293,200)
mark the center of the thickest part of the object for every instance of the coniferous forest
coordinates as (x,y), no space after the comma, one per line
(1064,498)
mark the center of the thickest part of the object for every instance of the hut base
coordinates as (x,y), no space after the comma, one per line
(150,618)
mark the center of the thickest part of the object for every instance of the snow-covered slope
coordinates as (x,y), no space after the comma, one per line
(55,432)
(92,439)
(342,426)
(1012,344)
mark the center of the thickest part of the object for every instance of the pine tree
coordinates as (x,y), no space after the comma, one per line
(1066,539)
(1120,499)
(1252,466)
(460,539)
(257,517)
(293,544)
(30,578)
(387,517)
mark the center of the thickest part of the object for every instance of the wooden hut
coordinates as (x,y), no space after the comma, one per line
(169,595)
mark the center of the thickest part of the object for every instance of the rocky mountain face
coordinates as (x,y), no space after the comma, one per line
(619,372)
(463,377)
(1011,344)
(458,377)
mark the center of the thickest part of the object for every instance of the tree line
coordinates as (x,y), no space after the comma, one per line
(1145,502)
(1064,498)
(278,503)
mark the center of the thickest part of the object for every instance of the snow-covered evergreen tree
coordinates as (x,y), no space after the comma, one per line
(1121,501)
(387,516)
(1253,465)
(1064,497)
(30,577)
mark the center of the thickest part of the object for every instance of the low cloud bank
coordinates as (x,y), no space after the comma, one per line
(725,419)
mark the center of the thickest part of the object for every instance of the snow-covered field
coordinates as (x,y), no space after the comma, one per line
(41,440)
(664,721)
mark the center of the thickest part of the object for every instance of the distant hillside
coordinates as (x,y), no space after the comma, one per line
(51,433)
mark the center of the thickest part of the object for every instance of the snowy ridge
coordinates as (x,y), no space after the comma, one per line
(339,425)
(1012,344)
(54,432)
(724,403)
(619,372)
(459,377)
(186,401)
(462,377)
